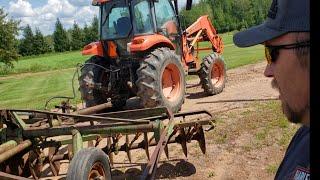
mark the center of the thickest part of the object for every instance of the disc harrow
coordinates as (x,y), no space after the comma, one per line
(31,139)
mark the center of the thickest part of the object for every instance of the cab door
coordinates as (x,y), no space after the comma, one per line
(167,23)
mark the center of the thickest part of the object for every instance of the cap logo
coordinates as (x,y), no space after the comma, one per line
(273,9)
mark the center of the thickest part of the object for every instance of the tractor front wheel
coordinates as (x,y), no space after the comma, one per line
(212,74)
(161,80)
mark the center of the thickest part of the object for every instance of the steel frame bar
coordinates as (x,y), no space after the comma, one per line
(11,152)
(83,118)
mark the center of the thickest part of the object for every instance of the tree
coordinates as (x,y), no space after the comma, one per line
(91,34)
(49,41)
(197,10)
(26,43)
(8,42)
(87,34)
(60,38)
(77,37)
(40,46)
(229,15)
(95,29)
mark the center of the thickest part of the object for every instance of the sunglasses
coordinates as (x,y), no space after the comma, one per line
(272,52)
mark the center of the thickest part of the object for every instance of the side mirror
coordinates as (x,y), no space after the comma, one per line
(189,5)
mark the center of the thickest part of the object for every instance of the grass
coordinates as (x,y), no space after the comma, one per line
(32,91)
(211,174)
(47,62)
(20,90)
(272,168)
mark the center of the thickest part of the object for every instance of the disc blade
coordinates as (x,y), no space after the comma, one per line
(128,148)
(146,144)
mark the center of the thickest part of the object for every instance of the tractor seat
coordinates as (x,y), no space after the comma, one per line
(123,26)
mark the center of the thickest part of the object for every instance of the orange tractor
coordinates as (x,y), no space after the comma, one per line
(143,51)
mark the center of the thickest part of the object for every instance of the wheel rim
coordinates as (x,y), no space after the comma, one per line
(97,172)
(171,82)
(217,74)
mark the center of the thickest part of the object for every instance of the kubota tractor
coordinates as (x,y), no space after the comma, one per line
(143,51)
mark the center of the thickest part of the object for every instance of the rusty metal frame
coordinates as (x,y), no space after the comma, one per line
(29,129)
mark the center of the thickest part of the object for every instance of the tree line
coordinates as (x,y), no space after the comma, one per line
(61,40)
(228,15)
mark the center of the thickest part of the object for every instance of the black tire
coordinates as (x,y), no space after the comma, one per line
(83,163)
(212,85)
(150,80)
(91,74)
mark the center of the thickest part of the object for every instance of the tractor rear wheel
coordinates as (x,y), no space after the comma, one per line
(91,75)
(161,80)
(212,74)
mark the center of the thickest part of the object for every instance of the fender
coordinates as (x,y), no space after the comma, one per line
(96,49)
(142,43)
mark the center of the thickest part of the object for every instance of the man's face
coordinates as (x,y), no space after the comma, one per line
(291,79)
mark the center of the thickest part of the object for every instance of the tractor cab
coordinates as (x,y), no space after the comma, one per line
(136,25)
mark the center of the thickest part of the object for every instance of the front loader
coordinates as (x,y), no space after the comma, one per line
(143,51)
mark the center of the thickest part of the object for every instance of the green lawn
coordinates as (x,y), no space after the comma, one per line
(32,90)
(45,62)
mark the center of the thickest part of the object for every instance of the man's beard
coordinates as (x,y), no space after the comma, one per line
(292,115)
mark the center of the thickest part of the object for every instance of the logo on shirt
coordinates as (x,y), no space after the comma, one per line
(301,174)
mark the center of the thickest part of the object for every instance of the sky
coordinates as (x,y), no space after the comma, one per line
(43,14)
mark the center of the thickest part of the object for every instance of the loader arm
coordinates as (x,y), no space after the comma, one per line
(203,30)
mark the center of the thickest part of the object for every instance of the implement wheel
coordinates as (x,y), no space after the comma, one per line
(89,164)
(212,74)
(161,80)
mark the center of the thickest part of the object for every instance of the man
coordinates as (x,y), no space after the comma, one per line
(285,35)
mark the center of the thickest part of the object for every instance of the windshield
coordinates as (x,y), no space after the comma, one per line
(115,20)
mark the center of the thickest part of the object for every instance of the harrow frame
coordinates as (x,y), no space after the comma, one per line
(26,133)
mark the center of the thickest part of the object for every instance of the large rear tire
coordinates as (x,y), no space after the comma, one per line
(89,163)
(212,74)
(92,74)
(161,80)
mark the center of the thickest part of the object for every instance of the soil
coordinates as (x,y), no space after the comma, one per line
(234,157)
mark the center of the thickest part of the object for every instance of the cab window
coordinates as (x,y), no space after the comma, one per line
(142,18)
(164,13)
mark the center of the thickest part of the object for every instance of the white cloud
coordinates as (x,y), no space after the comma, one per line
(68,11)
(59,8)
(21,8)
(44,17)
(85,14)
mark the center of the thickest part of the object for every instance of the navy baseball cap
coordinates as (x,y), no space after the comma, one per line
(283,16)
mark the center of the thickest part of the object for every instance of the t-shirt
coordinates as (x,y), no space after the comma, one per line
(296,162)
